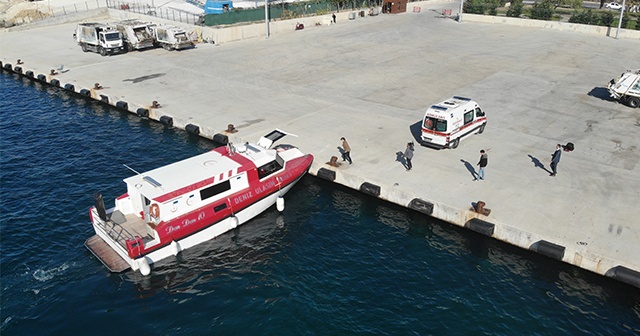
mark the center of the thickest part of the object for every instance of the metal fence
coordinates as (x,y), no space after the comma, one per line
(163,13)
(76,8)
(44,11)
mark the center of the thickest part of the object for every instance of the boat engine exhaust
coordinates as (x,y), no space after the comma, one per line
(102,211)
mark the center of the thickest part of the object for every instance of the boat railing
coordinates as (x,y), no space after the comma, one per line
(116,231)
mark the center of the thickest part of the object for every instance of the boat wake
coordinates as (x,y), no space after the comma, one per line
(46,275)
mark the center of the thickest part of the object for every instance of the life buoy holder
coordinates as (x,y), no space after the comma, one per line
(154,210)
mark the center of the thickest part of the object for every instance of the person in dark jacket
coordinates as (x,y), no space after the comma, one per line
(484,159)
(555,159)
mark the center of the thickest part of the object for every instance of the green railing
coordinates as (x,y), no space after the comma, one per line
(288,11)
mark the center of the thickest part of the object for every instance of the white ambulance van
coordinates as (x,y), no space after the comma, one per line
(447,122)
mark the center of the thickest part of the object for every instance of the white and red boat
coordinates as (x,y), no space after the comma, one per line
(178,206)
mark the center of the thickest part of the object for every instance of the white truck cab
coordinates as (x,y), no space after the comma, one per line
(447,122)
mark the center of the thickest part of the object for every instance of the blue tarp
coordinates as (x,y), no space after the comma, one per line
(217,7)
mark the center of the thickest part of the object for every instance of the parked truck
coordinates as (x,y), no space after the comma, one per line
(626,89)
(98,37)
(171,38)
(136,35)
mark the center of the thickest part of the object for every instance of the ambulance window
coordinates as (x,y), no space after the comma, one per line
(428,123)
(479,112)
(439,125)
(468,117)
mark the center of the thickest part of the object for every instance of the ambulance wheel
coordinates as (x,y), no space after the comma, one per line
(634,102)
(454,144)
(481,129)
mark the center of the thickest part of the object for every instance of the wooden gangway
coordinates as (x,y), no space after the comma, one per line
(106,254)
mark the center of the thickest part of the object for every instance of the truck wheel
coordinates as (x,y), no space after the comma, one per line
(129,47)
(634,102)
(481,129)
(454,144)
(166,47)
(84,48)
(103,52)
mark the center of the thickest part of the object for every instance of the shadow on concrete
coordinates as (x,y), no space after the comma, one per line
(470,168)
(400,158)
(602,93)
(538,164)
(416,131)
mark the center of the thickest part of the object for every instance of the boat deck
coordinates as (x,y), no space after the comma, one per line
(106,254)
(134,225)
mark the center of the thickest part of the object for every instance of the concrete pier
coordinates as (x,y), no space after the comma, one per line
(371,80)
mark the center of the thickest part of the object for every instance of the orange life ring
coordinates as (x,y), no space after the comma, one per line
(154,210)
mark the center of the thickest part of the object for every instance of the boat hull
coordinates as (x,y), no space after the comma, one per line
(209,232)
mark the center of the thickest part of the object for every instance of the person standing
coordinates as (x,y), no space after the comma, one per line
(408,155)
(484,159)
(333,16)
(555,159)
(346,151)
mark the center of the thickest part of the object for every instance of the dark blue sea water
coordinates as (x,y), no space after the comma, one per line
(334,263)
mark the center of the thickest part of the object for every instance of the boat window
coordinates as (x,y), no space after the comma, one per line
(215,190)
(468,117)
(435,124)
(269,168)
(220,207)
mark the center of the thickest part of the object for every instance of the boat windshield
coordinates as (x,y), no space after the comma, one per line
(112,36)
(435,124)
(271,167)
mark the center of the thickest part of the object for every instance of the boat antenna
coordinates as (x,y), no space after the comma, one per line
(133,170)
